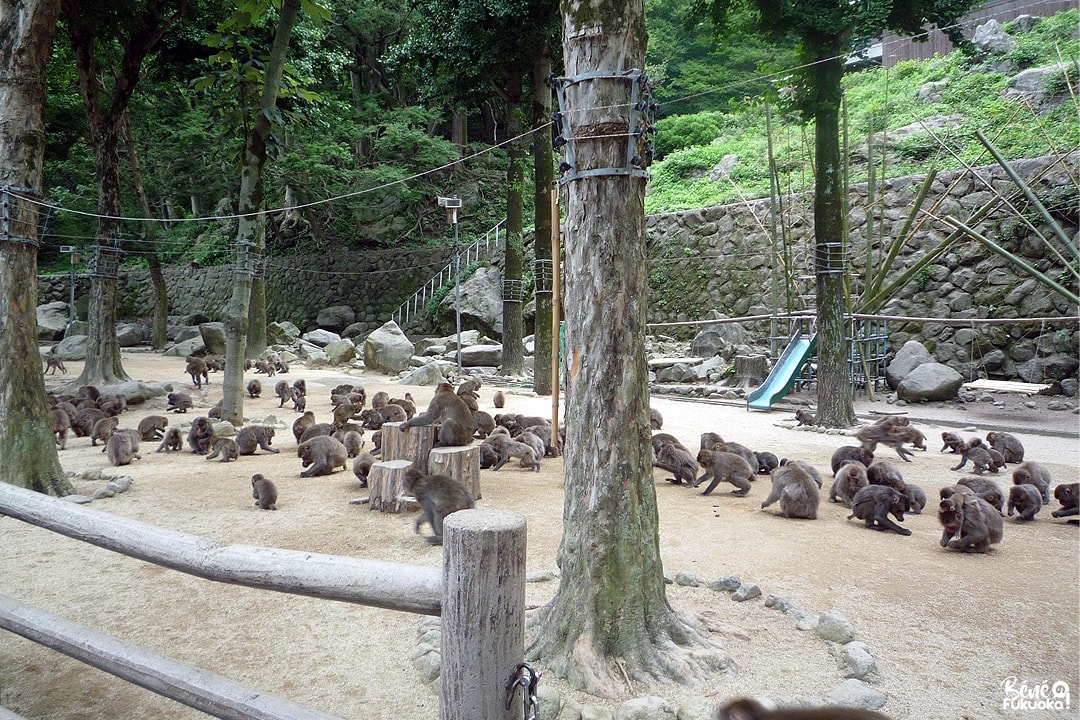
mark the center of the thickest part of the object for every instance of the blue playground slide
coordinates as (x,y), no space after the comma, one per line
(784,372)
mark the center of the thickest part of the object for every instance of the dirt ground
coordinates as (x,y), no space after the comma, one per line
(946,629)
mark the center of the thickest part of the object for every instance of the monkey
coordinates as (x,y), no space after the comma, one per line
(810,469)
(254,389)
(438,496)
(392,412)
(953,442)
(103,430)
(710,440)
(449,411)
(533,440)
(379,399)
(748,709)
(910,434)
(884,473)
(302,423)
(264,491)
(67,407)
(766,462)
(371,419)
(321,455)
(123,447)
(848,453)
(891,422)
(266,368)
(979,456)
(215,364)
(796,490)
(469,387)
(252,437)
(376,443)
(196,368)
(988,490)
(215,410)
(172,442)
(916,498)
(317,430)
(970,524)
(498,399)
(871,435)
(1011,449)
(470,401)
(805,417)
(283,391)
(661,439)
(178,402)
(405,404)
(362,466)
(1025,499)
(343,413)
(83,421)
(338,398)
(352,440)
(343,389)
(1036,474)
(60,423)
(552,448)
(198,437)
(54,363)
(112,405)
(506,447)
(874,504)
(678,461)
(1068,496)
(300,385)
(247,364)
(742,451)
(720,465)
(299,401)
(152,427)
(656,420)
(358,398)
(90,392)
(488,456)
(484,423)
(274,360)
(223,447)
(849,480)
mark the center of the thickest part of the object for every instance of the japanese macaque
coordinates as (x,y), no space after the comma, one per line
(223,448)
(438,496)
(264,491)
(449,411)
(253,437)
(321,455)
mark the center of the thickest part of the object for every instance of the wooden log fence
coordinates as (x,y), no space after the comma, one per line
(476,692)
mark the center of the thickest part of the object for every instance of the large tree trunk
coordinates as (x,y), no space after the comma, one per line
(28,456)
(250,236)
(835,407)
(513,293)
(610,615)
(543,179)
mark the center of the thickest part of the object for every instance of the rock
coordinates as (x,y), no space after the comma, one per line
(856,693)
(196,318)
(52,320)
(120,484)
(595,712)
(78,499)
(186,332)
(354,330)
(723,168)
(746,591)
(429,665)
(468,337)
(931,92)
(481,299)
(931,381)
(335,318)
(541,576)
(427,374)
(715,339)
(728,583)
(387,349)
(102,493)
(570,709)
(677,373)
(910,356)
(321,338)
(687,578)
(340,352)
(77,327)
(698,708)
(778,602)
(281,333)
(135,392)
(213,337)
(857,660)
(131,334)
(808,622)
(480,355)
(548,700)
(834,626)
(992,39)
(72,347)
(649,707)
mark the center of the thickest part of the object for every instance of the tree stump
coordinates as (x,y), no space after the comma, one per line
(461,462)
(412,444)
(386,481)
(751,370)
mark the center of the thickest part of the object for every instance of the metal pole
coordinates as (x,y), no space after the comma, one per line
(457,290)
(71,302)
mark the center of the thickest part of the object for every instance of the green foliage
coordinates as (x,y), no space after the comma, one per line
(431,310)
(683,131)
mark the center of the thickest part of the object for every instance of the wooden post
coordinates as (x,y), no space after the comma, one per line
(556,310)
(412,444)
(385,481)
(461,462)
(483,613)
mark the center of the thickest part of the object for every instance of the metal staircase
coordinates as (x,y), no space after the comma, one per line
(485,247)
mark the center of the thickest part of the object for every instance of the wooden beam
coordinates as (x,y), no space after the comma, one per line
(187,684)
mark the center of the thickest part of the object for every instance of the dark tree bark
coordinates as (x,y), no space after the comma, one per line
(835,406)
(513,296)
(610,615)
(543,184)
(28,456)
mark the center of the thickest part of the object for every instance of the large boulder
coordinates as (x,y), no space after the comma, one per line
(992,39)
(213,337)
(72,347)
(281,333)
(481,356)
(191,346)
(387,349)
(52,320)
(427,374)
(481,299)
(340,352)
(335,318)
(718,339)
(910,356)
(131,334)
(322,338)
(930,381)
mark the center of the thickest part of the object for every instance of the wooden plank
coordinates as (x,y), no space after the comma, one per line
(394,586)
(179,681)
(1008,386)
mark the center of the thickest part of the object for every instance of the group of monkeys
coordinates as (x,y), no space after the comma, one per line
(970,511)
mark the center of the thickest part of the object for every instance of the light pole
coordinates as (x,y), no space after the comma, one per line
(452,204)
(70,250)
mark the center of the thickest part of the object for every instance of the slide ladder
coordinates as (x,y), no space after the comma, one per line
(799,350)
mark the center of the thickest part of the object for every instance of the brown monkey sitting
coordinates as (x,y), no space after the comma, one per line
(264,491)
(656,420)
(1036,474)
(253,437)
(1068,496)
(178,402)
(223,447)
(1011,449)
(302,423)
(970,523)
(438,496)
(123,447)
(797,491)
(451,414)
(874,503)
(172,442)
(849,480)
(103,430)
(805,417)
(199,435)
(1026,500)
(321,455)
(498,399)
(152,427)
(362,466)
(254,389)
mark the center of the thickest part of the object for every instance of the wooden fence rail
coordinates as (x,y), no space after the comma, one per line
(498,584)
